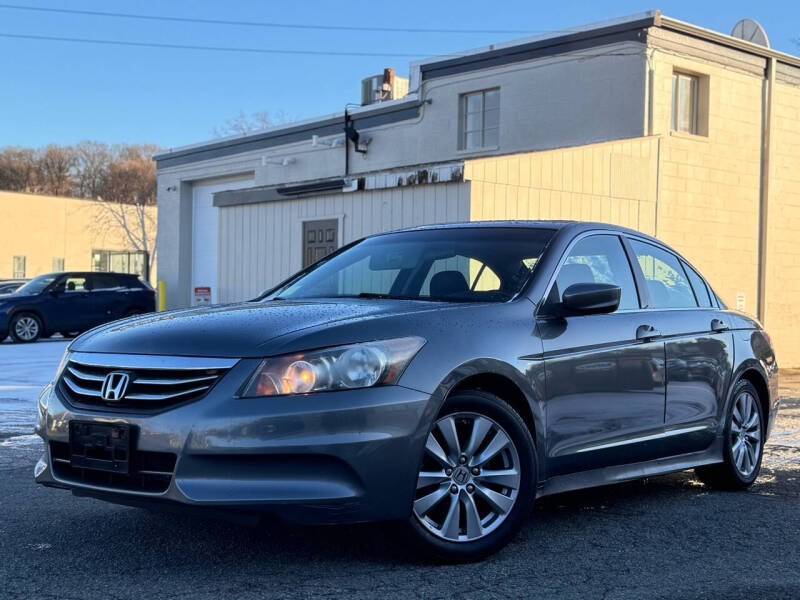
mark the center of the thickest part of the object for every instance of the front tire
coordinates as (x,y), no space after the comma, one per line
(477,481)
(25,328)
(745,432)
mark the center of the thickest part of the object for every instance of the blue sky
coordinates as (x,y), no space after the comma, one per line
(60,92)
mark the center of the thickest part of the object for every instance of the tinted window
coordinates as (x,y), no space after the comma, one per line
(698,285)
(460,264)
(598,259)
(665,278)
(73,283)
(102,281)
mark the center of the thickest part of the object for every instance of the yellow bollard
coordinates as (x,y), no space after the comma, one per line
(162,295)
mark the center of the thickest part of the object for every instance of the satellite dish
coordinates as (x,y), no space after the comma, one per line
(750,31)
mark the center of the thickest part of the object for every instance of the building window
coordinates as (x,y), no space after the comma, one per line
(58,264)
(19,267)
(121,261)
(480,120)
(685,103)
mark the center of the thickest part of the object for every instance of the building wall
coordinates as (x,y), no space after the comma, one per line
(45,227)
(709,184)
(614,182)
(261,244)
(782,310)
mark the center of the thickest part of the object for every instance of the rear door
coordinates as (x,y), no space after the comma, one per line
(698,344)
(108,298)
(604,377)
(71,306)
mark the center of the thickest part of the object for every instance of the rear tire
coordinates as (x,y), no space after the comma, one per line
(477,481)
(743,448)
(25,328)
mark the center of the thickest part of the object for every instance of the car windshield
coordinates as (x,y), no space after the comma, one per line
(488,264)
(37,285)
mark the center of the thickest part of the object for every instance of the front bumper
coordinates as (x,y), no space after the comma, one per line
(332,457)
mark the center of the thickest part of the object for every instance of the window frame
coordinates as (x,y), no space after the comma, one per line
(462,120)
(544,308)
(17,274)
(681,261)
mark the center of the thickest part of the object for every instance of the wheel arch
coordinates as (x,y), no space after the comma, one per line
(758,381)
(520,391)
(31,310)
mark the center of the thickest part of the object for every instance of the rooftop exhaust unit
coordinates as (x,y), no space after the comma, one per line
(380,88)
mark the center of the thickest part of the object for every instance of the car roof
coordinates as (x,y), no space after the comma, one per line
(61,273)
(574,227)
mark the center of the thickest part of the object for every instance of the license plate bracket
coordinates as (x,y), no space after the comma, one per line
(100,446)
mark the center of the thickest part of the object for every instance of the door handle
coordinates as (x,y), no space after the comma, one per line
(647,332)
(719,325)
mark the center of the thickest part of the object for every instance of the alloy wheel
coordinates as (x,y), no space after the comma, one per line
(26,328)
(469,480)
(745,433)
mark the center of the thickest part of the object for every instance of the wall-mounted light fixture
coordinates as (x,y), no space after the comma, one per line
(281,162)
(334,143)
(172,188)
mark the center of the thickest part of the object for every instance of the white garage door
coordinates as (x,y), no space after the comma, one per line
(205,233)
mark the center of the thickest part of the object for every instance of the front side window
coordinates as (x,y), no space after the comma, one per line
(665,278)
(459,264)
(598,259)
(480,120)
(73,283)
(685,93)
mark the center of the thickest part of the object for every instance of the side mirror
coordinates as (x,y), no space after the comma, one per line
(591,298)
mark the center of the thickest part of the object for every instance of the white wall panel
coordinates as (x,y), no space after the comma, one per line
(261,244)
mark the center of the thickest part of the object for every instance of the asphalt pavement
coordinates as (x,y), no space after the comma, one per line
(665,537)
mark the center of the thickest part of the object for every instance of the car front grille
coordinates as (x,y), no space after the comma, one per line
(155,382)
(151,472)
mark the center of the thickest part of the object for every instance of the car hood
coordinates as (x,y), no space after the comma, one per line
(248,329)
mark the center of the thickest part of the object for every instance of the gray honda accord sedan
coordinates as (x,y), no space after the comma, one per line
(444,377)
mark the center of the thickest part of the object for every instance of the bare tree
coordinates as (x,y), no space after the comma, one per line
(129,188)
(55,167)
(18,169)
(91,168)
(241,124)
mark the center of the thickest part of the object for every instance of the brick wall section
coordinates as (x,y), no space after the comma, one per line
(782,315)
(709,185)
(613,182)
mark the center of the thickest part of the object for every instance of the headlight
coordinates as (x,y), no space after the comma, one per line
(339,368)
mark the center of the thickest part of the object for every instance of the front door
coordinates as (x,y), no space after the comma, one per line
(605,384)
(699,348)
(320,238)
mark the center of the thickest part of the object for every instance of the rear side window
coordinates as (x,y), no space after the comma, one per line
(666,281)
(598,259)
(699,286)
(101,281)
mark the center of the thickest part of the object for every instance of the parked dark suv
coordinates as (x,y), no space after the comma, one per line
(71,303)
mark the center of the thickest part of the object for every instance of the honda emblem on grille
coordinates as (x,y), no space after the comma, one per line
(114,386)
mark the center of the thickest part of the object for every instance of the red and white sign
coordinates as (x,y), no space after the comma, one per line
(202,296)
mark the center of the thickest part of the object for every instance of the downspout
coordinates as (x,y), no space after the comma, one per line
(763,199)
(346,144)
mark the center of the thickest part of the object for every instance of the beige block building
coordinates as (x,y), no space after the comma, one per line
(683,133)
(41,234)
